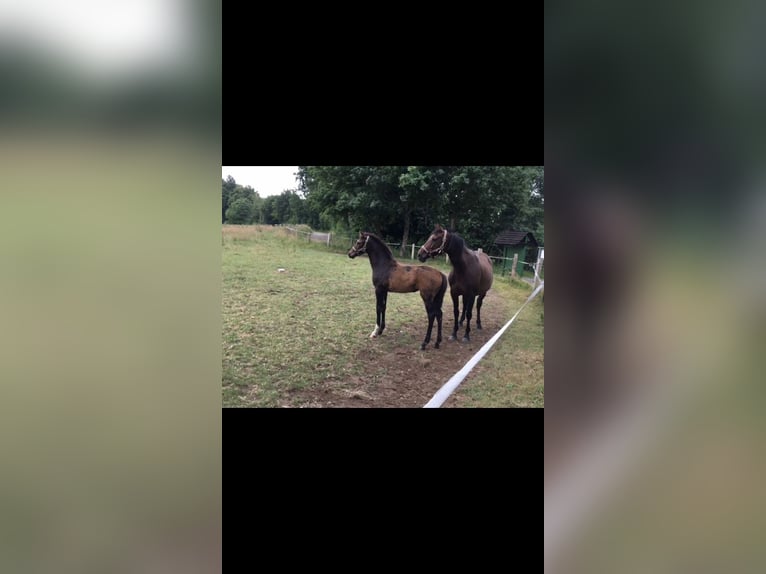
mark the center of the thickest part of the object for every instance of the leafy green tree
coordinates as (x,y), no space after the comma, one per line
(422,188)
(267,210)
(534,218)
(354,197)
(240,211)
(227,185)
(257,210)
(406,201)
(280,210)
(237,194)
(484,200)
(297,212)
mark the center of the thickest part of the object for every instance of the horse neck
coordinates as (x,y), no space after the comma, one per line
(378,253)
(456,251)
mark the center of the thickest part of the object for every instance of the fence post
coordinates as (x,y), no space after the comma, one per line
(515,262)
(413,252)
(328,240)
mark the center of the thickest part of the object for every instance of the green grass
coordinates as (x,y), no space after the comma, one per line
(284,331)
(278,327)
(287,330)
(512,373)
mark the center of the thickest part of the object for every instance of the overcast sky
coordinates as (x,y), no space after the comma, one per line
(104,39)
(265,179)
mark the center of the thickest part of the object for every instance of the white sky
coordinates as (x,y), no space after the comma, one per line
(103,37)
(265,179)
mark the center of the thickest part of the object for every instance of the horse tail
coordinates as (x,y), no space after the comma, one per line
(488,272)
(442,290)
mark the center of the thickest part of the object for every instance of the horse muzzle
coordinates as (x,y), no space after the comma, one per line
(423,255)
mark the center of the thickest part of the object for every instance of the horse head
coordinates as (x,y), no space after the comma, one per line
(360,246)
(435,244)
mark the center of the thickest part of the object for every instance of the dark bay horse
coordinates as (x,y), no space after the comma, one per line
(471,274)
(390,275)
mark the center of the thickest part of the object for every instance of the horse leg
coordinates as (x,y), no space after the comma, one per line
(478,311)
(429,304)
(431,317)
(383,312)
(439,331)
(455,306)
(462,316)
(380,312)
(468,313)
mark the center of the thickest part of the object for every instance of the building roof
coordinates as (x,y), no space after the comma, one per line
(513,237)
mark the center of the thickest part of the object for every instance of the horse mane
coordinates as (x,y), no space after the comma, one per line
(382,243)
(460,242)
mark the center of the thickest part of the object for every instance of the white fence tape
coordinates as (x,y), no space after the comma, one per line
(443,394)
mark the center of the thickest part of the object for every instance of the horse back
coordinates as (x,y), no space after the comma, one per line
(485,263)
(403,278)
(430,278)
(479,271)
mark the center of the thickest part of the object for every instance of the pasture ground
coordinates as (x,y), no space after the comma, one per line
(300,337)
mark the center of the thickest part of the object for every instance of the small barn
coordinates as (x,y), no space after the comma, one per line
(524,244)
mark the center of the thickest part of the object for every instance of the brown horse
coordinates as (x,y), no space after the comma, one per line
(471,274)
(390,275)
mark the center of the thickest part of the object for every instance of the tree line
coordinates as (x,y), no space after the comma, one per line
(401,203)
(244,205)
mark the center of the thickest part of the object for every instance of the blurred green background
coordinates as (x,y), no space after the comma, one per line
(657,296)
(110,147)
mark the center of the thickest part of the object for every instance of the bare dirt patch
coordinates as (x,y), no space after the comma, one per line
(397,373)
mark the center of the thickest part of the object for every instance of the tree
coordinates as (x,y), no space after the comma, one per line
(421,189)
(257,210)
(406,201)
(228,185)
(267,210)
(280,209)
(352,197)
(296,210)
(240,211)
(534,218)
(497,198)
(234,196)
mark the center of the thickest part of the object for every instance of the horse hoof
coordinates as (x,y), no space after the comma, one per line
(436,346)
(423,347)
(478,327)
(452,338)
(466,340)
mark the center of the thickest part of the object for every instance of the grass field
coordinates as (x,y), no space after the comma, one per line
(512,373)
(292,336)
